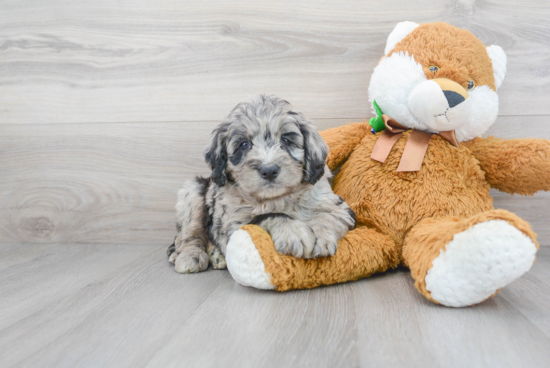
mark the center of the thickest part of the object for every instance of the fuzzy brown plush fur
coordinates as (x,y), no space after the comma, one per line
(408,217)
(513,166)
(360,254)
(453,182)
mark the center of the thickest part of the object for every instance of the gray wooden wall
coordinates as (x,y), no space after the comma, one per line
(105,106)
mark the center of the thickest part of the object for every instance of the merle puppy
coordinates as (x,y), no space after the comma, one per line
(268,168)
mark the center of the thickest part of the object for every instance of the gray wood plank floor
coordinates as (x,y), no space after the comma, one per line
(82,305)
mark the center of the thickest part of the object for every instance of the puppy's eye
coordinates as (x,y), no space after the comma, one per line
(245,145)
(471,84)
(285,140)
(434,69)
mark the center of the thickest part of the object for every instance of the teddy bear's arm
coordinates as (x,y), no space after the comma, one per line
(342,141)
(514,166)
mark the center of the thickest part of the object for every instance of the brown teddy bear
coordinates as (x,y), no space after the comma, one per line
(420,187)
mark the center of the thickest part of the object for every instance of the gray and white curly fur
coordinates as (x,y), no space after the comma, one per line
(268,168)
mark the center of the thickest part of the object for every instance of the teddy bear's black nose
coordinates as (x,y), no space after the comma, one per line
(453,98)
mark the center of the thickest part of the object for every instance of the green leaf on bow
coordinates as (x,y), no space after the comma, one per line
(377,123)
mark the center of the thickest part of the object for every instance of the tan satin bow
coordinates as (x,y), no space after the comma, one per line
(415,149)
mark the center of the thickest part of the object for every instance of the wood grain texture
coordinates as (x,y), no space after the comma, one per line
(117,183)
(177,60)
(124,306)
(97,182)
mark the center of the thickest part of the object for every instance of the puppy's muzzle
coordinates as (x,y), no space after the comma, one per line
(269,172)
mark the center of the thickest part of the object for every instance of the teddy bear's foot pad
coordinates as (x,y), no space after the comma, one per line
(478,262)
(244,262)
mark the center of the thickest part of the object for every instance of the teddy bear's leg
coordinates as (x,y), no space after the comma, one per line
(252,260)
(461,262)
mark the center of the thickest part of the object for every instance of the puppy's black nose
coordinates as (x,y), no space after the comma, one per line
(269,172)
(453,98)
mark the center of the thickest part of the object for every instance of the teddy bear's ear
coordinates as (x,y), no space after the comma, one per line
(498,57)
(400,31)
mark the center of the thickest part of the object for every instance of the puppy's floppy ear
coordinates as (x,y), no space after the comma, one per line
(315,152)
(216,154)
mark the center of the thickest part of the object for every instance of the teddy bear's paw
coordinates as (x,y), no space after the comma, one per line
(245,263)
(478,262)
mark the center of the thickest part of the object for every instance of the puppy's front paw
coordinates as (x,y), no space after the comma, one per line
(293,238)
(191,260)
(217,260)
(326,242)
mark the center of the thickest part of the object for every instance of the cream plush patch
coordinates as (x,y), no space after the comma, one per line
(499,60)
(244,262)
(400,31)
(392,83)
(478,262)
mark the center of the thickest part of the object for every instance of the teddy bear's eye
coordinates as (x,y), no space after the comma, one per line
(433,69)
(471,84)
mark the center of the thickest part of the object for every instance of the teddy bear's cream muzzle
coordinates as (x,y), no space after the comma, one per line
(439,103)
